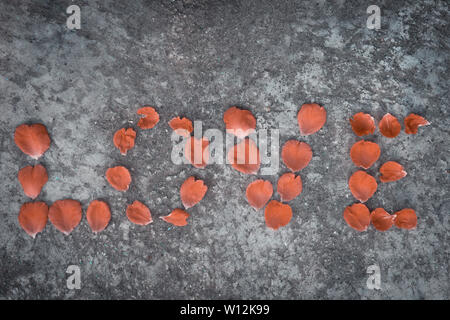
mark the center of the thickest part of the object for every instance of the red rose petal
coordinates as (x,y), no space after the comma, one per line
(138,213)
(32,139)
(406,219)
(413,122)
(381,220)
(362,185)
(181,126)
(124,139)
(277,214)
(258,193)
(311,118)
(362,124)
(389,126)
(392,171)
(177,217)
(32,179)
(119,177)
(365,153)
(33,217)
(150,119)
(289,186)
(65,215)
(239,122)
(357,216)
(296,155)
(98,215)
(192,191)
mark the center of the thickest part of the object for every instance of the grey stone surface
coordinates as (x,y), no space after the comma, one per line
(196,59)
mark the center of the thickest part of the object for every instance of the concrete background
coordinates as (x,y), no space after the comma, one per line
(196,59)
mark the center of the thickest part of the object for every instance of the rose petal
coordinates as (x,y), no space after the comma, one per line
(362,124)
(33,217)
(311,118)
(357,216)
(289,186)
(277,214)
(119,178)
(365,153)
(413,122)
(258,193)
(124,139)
(181,126)
(244,157)
(362,185)
(296,155)
(32,139)
(177,217)
(150,119)
(392,171)
(98,215)
(32,179)
(239,122)
(389,126)
(65,215)
(381,220)
(192,191)
(406,219)
(138,213)
(197,152)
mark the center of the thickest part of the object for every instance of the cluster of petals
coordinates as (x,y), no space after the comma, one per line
(359,218)
(389,126)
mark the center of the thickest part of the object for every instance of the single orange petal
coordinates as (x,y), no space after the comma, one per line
(357,216)
(192,191)
(365,153)
(119,178)
(406,219)
(32,179)
(362,124)
(258,193)
(389,126)
(296,155)
(244,157)
(124,139)
(239,122)
(392,171)
(311,118)
(277,214)
(413,122)
(381,220)
(98,215)
(362,185)
(177,217)
(32,139)
(289,186)
(138,213)
(33,217)
(65,215)
(181,126)
(150,119)
(197,151)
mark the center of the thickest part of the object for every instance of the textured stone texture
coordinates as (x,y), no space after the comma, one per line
(195,59)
